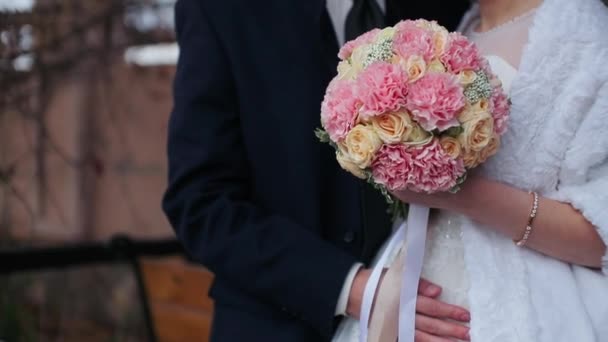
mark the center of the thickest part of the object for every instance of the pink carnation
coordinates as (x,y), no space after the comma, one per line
(412,40)
(435,100)
(363,39)
(422,168)
(339,109)
(381,87)
(500,110)
(485,67)
(434,170)
(393,167)
(460,54)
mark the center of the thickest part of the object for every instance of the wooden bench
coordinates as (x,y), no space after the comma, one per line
(177,292)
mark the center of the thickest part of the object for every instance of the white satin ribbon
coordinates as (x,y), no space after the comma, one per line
(414,233)
(417,222)
(373,281)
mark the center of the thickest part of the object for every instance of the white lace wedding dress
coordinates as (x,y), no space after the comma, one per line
(444,258)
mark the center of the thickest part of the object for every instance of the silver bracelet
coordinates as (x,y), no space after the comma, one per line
(528,231)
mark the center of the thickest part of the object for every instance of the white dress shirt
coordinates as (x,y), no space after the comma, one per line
(338,11)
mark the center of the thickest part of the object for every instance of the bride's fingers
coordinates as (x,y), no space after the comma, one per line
(434,308)
(421,336)
(428,289)
(438,327)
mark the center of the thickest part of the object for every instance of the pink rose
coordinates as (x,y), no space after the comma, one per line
(435,100)
(412,40)
(382,87)
(363,39)
(460,54)
(425,168)
(500,110)
(339,109)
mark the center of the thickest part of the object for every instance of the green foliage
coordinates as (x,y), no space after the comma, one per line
(387,196)
(323,137)
(459,183)
(454,132)
(17,324)
(396,208)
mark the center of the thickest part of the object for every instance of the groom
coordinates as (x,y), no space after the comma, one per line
(252,195)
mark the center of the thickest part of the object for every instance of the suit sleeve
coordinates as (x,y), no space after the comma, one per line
(208,203)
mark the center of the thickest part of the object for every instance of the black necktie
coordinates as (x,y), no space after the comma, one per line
(363,16)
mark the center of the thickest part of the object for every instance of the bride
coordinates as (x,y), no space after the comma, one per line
(548,282)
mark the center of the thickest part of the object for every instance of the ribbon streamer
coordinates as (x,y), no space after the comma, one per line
(414,233)
(417,222)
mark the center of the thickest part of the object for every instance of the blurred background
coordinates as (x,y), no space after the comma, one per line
(85,251)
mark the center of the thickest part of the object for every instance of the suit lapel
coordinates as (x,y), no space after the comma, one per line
(329,43)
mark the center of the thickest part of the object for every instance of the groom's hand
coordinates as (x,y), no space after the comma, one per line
(436,321)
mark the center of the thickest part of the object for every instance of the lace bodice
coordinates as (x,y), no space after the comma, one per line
(444,258)
(506,41)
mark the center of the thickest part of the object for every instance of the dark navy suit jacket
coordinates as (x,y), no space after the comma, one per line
(252,194)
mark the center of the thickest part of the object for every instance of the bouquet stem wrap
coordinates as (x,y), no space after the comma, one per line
(413,233)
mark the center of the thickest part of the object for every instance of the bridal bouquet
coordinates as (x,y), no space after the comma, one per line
(413,107)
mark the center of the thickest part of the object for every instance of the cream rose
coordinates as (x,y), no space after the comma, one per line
(434,25)
(351,68)
(394,127)
(451,146)
(470,112)
(388,32)
(470,159)
(418,136)
(347,164)
(477,132)
(430,25)
(440,40)
(346,71)
(362,143)
(467,77)
(358,57)
(490,149)
(425,24)
(415,67)
(436,66)
(482,104)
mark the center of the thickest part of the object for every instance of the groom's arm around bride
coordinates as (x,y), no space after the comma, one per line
(252,195)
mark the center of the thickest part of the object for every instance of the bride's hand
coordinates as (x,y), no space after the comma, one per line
(432,317)
(437,201)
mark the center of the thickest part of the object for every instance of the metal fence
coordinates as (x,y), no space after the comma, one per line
(120,251)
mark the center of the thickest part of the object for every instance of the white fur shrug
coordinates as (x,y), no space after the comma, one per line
(557,145)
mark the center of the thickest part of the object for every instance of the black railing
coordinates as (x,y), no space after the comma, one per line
(119,249)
